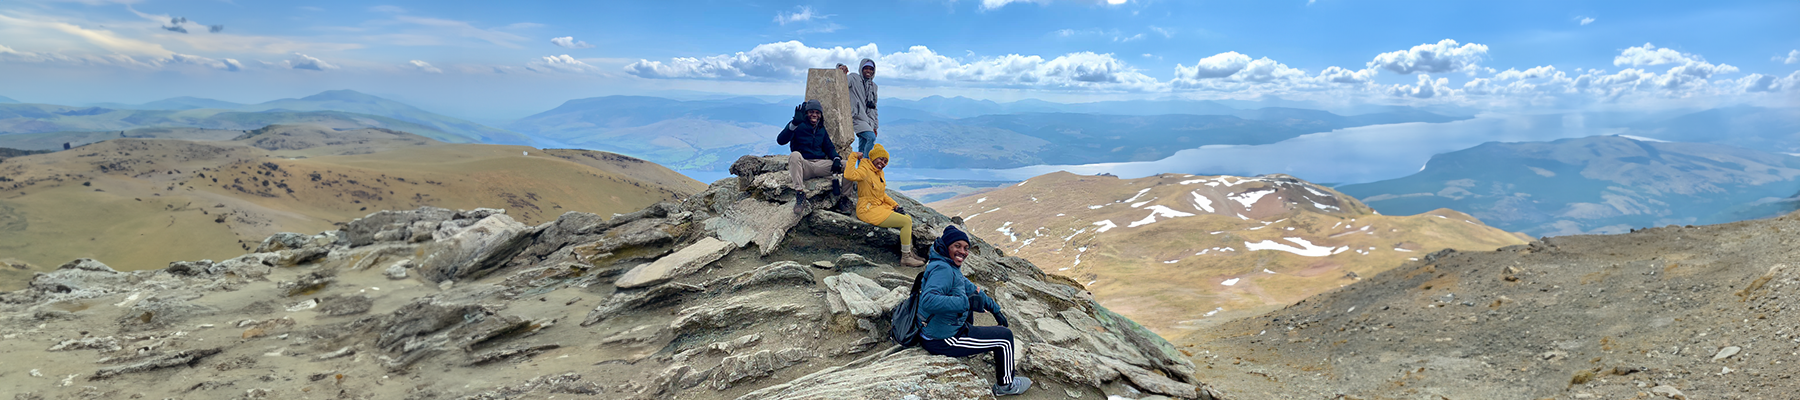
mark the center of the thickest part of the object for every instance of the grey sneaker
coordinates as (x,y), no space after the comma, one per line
(1018,385)
(800,204)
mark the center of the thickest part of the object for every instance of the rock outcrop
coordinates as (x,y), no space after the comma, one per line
(712,298)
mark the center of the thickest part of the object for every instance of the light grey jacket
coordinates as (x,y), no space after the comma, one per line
(862,94)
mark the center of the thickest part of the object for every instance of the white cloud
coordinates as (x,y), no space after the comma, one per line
(1793,57)
(1425,88)
(790,59)
(1534,72)
(804,14)
(8,54)
(994,4)
(1129,39)
(1335,74)
(1443,56)
(1649,54)
(570,42)
(1216,66)
(302,61)
(426,67)
(562,63)
(1586,20)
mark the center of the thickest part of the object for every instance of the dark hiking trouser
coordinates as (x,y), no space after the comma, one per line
(976,340)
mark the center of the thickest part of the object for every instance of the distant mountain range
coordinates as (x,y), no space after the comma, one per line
(1767,129)
(345,109)
(937,132)
(1602,184)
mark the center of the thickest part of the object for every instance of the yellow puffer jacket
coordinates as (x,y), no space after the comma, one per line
(872,202)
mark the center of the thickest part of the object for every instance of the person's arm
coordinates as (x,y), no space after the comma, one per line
(830,145)
(937,296)
(857,171)
(874,116)
(786,135)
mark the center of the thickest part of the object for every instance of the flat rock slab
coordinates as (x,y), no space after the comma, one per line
(751,220)
(685,261)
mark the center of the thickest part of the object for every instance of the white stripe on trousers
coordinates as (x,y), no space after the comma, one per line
(1006,351)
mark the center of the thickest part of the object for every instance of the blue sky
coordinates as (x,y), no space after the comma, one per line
(501,60)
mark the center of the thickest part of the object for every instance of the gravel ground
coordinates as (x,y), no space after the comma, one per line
(1673,312)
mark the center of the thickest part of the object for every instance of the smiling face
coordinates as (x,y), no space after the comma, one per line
(880,163)
(814,116)
(958,252)
(868,72)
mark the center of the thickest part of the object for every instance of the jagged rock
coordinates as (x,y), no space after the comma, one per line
(472,251)
(565,383)
(283,241)
(623,301)
(737,310)
(850,260)
(1150,381)
(187,358)
(686,261)
(159,312)
(778,273)
(339,305)
(391,226)
(736,369)
(518,352)
(1068,365)
(398,270)
(80,279)
(1056,331)
(863,297)
(750,220)
(832,89)
(899,375)
(640,239)
(108,343)
(309,283)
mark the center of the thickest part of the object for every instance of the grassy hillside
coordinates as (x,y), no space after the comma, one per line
(118,200)
(344,109)
(1182,252)
(1602,184)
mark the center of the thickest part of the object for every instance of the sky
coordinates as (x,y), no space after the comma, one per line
(496,61)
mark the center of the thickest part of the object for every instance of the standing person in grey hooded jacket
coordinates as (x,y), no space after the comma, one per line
(863,118)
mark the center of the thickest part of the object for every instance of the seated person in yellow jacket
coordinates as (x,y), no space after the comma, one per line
(873,204)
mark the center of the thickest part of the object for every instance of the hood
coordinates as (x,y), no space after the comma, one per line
(865,62)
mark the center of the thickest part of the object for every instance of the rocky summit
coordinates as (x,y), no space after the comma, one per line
(725,295)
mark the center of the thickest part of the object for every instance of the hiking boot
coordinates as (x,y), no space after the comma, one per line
(846,207)
(910,260)
(799,203)
(1018,385)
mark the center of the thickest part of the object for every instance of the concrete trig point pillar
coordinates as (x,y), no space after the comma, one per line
(829,87)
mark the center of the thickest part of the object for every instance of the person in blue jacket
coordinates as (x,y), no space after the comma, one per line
(948,301)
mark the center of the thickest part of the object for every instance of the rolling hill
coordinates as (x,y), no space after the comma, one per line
(1181,252)
(115,200)
(343,109)
(1601,184)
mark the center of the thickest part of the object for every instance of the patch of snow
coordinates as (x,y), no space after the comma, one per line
(1400,249)
(1006,228)
(1096,207)
(1219,232)
(1201,202)
(1315,191)
(1227,249)
(1290,228)
(1060,214)
(1307,249)
(1340,249)
(1034,199)
(972,216)
(1203,252)
(1171,261)
(1157,210)
(1242,217)
(1249,198)
(1268,271)
(1336,224)
(1072,235)
(1323,206)
(1440,216)
(1105,225)
(1133,198)
(1229,282)
(1642,139)
(1413,259)
(1022,183)
(1209,314)
(978,201)
(1142,203)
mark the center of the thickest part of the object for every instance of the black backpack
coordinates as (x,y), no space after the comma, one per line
(906,324)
